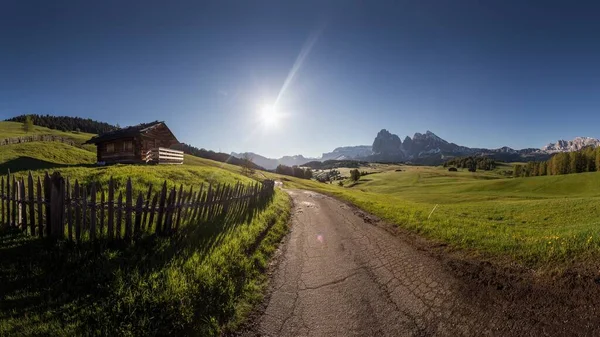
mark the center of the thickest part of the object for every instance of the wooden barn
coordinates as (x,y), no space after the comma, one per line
(149,143)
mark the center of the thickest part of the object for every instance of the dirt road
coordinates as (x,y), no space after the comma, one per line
(340,275)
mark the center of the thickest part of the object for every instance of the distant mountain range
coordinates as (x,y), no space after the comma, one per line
(427,149)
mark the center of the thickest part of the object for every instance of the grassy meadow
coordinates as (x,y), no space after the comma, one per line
(15,129)
(201,281)
(539,222)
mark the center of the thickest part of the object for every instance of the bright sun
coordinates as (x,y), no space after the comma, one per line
(269,116)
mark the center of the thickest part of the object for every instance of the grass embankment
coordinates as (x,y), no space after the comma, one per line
(196,282)
(547,222)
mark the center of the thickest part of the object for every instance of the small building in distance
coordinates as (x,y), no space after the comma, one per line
(148,143)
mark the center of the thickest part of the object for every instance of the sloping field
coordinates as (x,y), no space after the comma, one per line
(15,129)
(540,222)
(196,282)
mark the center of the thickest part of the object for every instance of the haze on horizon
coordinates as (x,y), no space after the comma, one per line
(286,78)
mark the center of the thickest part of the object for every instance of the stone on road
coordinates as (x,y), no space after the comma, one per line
(338,275)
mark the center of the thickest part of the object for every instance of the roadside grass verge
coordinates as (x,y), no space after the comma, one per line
(195,282)
(545,223)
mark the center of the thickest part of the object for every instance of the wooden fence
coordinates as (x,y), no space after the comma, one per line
(37,138)
(53,207)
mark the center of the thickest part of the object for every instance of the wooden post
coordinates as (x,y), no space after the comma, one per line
(211,202)
(14,202)
(47,194)
(57,205)
(169,211)
(93,213)
(69,202)
(84,206)
(138,215)
(161,208)
(8,199)
(102,203)
(2,201)
(22,206)
(152,210)
(187,205)
(128,207)
(179,206)
(111,208)
(204,204)
(31,204)
(196,204)
(118,234)
(76,192)
(40,211)
(146,210)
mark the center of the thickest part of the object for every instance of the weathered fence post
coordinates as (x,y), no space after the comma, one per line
(40,206)
(161,208)
(47,193)
(31,204)
(111,208)
(14,202)
(69,211)
(138,215)
(8,199)
(128,207)
(57,205)
(76,195)
(2,201)
(93,213)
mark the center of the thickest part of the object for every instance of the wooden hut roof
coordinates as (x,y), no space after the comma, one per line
(128,132)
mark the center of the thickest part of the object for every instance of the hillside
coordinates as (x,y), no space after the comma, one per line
(15,129)
(42,155)
(67,123)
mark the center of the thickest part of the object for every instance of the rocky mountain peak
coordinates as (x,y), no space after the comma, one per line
(570,145)
(387,143)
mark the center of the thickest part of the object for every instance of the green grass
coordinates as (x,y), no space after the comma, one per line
(42,155)
(195,283)
(15,129)
(549,222)
(198,282)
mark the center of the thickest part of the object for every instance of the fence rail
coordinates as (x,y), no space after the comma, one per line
(53,207)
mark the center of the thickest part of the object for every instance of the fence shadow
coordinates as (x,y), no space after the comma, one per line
(68,280)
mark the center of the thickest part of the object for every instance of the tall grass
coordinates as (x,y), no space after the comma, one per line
(194,283)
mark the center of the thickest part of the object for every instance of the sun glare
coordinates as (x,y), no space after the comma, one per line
(269,116)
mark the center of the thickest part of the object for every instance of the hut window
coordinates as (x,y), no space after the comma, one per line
(128,146)
(110,147)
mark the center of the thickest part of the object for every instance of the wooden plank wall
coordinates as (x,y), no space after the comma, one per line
(55,207)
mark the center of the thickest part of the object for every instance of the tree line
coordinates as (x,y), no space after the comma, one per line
(333,163)
(472,163)
(216,156)
(584,160)
(65,123)
(294,171)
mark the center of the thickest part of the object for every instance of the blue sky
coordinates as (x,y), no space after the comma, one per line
(477,73)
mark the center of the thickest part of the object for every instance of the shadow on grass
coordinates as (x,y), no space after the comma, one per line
(50,287)
(28,163)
